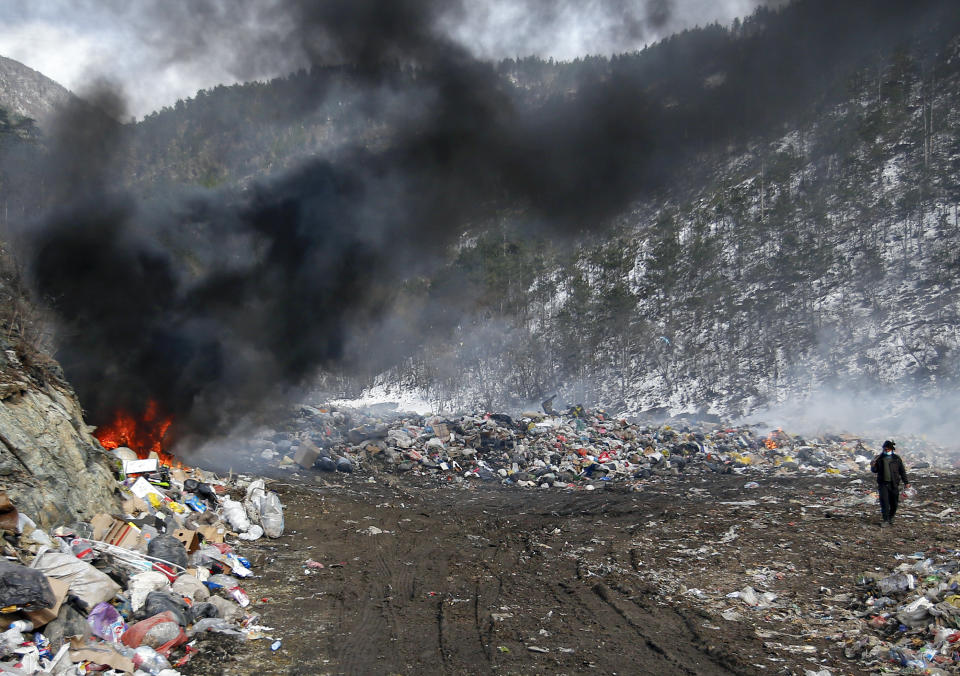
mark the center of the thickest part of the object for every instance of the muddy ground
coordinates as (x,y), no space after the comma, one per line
(500,580)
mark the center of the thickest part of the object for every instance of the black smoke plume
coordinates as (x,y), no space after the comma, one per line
(215,302)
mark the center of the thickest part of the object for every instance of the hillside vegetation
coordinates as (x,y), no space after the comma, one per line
(780,214)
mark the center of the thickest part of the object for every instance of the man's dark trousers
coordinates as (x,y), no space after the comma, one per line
(889,499)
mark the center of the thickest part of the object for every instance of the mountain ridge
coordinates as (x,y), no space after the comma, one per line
(28,93)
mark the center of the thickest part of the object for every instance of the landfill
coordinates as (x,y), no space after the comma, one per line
(714,521)
(132,592)
(571,451)
(901,619)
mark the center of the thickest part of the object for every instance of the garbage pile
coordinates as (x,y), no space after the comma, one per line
(130,592)
(913,615)
(578,449)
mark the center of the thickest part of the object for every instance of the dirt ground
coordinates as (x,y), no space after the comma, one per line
(430,579)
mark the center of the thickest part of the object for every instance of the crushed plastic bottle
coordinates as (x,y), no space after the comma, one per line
(149,660)
(82,549)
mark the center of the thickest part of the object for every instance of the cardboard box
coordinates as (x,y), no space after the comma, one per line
(307,454)
(212,533)
(189,538)
(47,615)
(123,534)
(140,466)
(102,523)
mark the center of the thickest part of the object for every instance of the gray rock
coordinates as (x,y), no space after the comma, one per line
(53,470)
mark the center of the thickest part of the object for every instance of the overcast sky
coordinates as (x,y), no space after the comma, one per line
(159,51)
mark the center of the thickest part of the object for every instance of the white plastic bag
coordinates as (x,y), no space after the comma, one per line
(143,583)
(916,613)
(264,508)
(255,533)
(90,585)
(234,512)
(271,515)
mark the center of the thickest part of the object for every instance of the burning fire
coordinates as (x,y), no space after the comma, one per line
(143,435)
(771,441)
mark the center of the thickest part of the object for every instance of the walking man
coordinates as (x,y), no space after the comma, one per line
(888,466)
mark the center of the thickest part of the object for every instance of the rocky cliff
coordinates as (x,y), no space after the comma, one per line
(51,467)
(28,93)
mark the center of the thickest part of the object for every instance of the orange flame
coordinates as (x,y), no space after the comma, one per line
(143,435)
(771,441)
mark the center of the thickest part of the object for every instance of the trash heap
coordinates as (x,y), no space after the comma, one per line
(574,450)
(130,592)
(913,615)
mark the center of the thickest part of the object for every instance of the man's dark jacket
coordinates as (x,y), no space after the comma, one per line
(897,470)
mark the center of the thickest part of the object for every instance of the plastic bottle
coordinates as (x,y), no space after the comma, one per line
(149,660)
(82,549)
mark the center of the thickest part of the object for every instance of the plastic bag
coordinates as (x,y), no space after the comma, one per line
(909,492)
(915,614)
(10,640)
(255,533)
(168,548)
(264,508)
(234,512)
(87,583)
(202,611)
(255,492)
(229,560)
(271,515)
(106,622)
(229,610)
(148,660)
(142,584)
(190,587)
(896,583)
(158,602)
(214,624)
(201,489)
(20,586)
(160,632)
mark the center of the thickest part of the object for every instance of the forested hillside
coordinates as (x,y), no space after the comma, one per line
(730,218)
(824,256)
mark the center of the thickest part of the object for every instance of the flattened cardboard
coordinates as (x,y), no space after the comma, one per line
(306,454)
(46,615)
(100,653)
(189,538)
(212,533)
(102,523)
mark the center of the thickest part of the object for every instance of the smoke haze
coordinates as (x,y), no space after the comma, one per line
(216,302)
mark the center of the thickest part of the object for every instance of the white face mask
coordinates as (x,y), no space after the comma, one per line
(888,452)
